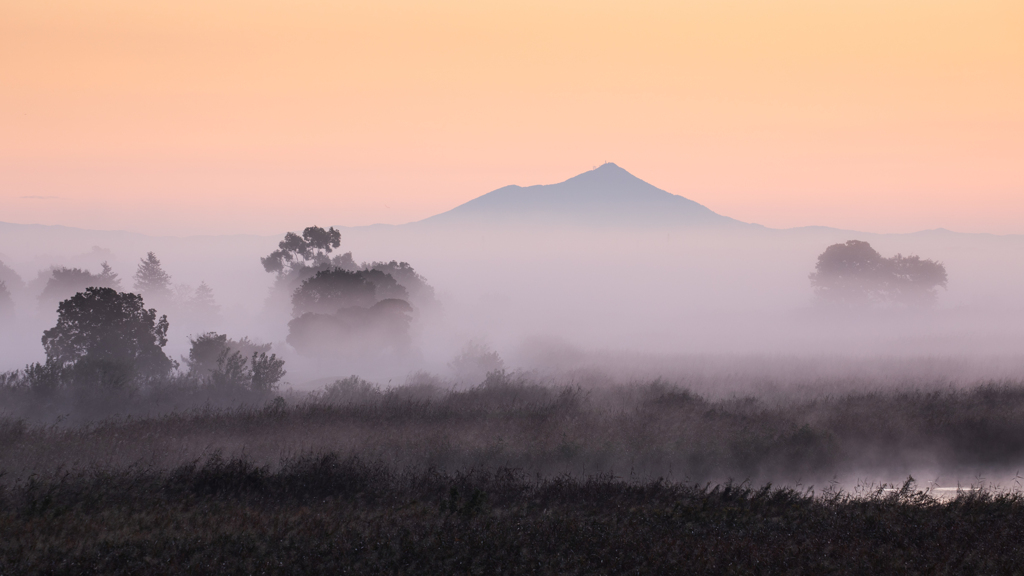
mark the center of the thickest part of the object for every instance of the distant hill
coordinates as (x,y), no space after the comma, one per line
(605,196)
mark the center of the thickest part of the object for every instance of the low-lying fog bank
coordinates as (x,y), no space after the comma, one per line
(858,432)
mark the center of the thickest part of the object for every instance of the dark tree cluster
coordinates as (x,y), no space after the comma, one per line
(855,274)
(338,307)
(215,359)
(107,340)
(311,249)
(102,325)
(66,282)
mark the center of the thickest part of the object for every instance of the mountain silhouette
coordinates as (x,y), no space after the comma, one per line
(607,195)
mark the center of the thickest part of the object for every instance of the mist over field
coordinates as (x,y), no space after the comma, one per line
(547,285)
(352,288)
(598,285)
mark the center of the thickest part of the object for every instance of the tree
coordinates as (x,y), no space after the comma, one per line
(201,303)
(266,371)
(221,361)
(330,290)
(353,331)
(311,249)
(855,274)
(150,278)
(914,281)
(104,325)
(385,285)
(107,278)
(66,282)
(420,293)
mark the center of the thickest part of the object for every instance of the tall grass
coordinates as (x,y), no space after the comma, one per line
(329,514)
(645,431)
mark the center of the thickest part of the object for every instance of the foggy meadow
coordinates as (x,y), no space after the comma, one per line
(594,326)
(590,375)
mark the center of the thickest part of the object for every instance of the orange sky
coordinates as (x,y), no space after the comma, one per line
(188,116)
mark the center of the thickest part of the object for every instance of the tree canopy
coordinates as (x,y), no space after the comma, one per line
(330,290)
(855,274)
(65,282)
(353,331)
(102,324)
(312,248)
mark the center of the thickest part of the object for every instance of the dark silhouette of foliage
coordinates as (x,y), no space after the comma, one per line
(310,249)
(419,292)
(150,278)
(266,371)
(65,282)
(330,290)
(855,274)
(216,359)
(348,307)
(509,476)
(386,286)
(353,330)
(102,324)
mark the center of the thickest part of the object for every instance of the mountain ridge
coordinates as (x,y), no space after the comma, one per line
(606,195)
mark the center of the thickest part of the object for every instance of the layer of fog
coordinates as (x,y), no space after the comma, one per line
(664,301)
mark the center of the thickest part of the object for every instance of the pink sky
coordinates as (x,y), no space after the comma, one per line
(256,117)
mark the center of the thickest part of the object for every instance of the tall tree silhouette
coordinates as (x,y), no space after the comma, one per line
(150,278)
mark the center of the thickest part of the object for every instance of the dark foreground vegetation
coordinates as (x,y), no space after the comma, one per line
(323,514)
(644,430)
(215,473)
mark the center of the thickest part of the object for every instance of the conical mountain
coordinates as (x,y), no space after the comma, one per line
(605,196)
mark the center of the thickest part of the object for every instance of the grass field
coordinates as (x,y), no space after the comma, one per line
(326,515)
(515,476)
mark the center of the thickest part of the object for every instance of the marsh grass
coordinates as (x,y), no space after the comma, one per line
(323,513)
(513,476)
(652,430)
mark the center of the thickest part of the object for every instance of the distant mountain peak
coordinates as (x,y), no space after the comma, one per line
(607,196)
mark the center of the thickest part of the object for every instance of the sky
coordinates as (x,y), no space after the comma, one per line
(221,116)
